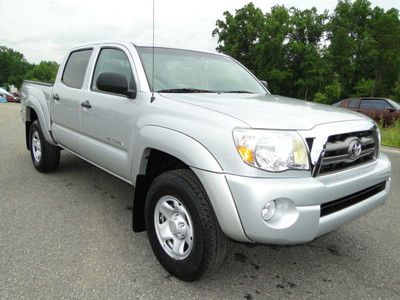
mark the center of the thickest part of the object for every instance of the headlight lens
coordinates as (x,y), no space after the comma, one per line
(271,150)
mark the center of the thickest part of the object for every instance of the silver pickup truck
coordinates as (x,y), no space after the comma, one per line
(213,156)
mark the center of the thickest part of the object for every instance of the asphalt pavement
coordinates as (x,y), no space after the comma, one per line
(68,235)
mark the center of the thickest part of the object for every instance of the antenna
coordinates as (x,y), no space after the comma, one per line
(152,79)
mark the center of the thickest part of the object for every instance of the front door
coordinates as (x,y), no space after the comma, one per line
(107,118)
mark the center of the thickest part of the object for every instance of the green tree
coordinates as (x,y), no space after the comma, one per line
(13,66)
(297,51)
(239,35)
(45,71)
(331,93)
(333,90)
(320,98)
(396,92)
(365,88)
(385,30)
(271,58)
(304,51)
(364,45)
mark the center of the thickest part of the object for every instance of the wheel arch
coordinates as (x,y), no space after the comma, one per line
(35,111)
(175,143)
(162,150)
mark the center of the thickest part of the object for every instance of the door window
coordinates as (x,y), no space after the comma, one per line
(75,68)
(114,61)
(374,104)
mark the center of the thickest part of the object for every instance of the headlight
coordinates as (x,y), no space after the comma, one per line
(271,150)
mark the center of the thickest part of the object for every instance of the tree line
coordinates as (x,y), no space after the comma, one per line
(322,57)
(14,68)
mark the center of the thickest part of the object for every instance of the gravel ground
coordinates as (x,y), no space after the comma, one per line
(68,235)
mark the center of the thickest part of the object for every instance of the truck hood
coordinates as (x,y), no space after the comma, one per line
(268,111)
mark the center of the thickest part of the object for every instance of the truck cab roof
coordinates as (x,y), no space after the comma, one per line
(145,44)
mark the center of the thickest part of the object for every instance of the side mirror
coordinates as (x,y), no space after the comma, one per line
(264,83)
(391,109)
(114,83)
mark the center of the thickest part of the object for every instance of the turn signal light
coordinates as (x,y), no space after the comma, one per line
(246,154)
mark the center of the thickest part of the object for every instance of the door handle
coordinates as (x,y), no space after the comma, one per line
(86,104)
(56,97)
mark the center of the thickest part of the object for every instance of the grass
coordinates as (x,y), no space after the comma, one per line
(391,135)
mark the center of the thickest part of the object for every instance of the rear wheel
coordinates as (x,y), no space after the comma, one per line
(183,231)
(45,157)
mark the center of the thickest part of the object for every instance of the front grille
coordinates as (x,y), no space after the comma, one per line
(337,156)
(336,205)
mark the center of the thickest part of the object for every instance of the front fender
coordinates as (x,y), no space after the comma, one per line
(175,143)
(203,164)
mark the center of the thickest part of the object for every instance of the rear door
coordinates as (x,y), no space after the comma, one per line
(106,125)
(66,99)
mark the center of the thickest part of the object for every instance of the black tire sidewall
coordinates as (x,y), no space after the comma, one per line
(190,267)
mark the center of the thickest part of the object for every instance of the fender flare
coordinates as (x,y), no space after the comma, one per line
(32,103)
(175,143)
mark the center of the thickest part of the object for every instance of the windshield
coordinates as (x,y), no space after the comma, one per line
(184,71)
(394,104)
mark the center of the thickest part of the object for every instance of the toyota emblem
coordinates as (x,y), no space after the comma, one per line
(355,148)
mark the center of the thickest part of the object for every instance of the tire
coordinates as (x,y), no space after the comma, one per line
(45,157)
(207,250)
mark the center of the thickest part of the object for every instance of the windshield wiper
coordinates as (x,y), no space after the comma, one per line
(184,90)
(237,92)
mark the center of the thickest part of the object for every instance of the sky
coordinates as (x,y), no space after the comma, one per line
(46,29)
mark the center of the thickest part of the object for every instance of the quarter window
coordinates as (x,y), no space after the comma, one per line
(114,61)
(353,103)
(75,68)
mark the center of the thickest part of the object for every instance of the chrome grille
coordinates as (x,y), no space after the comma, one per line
(337,153)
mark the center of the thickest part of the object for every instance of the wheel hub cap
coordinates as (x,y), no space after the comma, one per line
(178,226)
(36,146)
(174,227)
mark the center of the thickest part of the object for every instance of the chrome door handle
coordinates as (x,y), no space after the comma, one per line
(86,104)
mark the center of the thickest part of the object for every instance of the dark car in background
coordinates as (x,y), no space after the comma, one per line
(381,110)
(17,96)
(12,98)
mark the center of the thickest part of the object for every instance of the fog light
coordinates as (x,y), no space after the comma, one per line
(268,210)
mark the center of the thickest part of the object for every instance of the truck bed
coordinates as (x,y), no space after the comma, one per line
(49,84)
(36,94)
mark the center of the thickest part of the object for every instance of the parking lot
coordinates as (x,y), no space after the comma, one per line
(68,235)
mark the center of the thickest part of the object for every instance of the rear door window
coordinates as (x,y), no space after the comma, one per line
(75,68)
(374,104)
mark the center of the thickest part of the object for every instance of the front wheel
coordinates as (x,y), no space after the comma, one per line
(45,157)
(183,231)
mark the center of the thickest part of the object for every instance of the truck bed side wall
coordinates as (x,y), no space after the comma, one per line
(37,97)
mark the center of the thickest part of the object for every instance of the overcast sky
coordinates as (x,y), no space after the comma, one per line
(45,29)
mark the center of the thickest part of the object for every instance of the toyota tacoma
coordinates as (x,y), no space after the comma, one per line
(213,156)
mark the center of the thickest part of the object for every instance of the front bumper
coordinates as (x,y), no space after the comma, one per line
(298,219)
